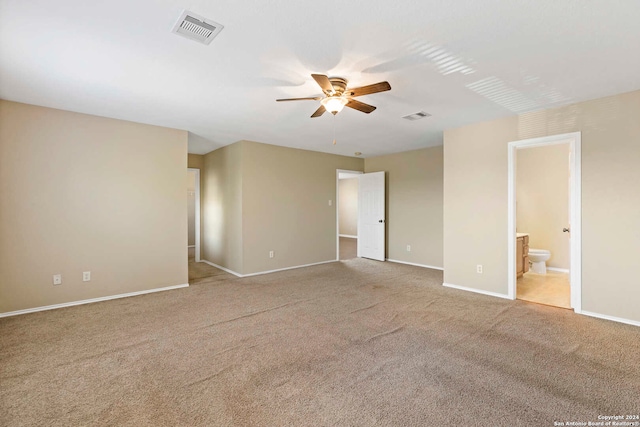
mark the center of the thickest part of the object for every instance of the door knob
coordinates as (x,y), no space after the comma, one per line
(381,220)
(565,230)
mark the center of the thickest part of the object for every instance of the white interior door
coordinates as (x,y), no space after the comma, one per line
(371,216)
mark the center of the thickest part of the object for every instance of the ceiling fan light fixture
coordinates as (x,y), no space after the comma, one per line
(334,104)
(338,96)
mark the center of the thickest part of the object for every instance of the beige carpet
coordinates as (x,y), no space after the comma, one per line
(348,248)
(352,343)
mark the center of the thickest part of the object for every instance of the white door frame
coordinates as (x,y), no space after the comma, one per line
(338,171)
(575,274)
(197,219)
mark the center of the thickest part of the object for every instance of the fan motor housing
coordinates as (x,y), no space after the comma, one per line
(339,84)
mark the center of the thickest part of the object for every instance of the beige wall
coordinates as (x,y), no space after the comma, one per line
(285,208)
(191,208)
(258,198)
(221,207)
(195,161)
(542,200)
(414,204)
(86,193)
(475,199)
(348,206)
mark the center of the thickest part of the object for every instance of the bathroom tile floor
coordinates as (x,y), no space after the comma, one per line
(549,289)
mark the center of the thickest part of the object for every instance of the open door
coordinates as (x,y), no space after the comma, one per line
(371,216)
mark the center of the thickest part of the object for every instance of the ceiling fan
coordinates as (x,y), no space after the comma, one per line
(337,95)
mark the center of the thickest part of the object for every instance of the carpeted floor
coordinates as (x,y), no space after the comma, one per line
(351,343)
(348,248)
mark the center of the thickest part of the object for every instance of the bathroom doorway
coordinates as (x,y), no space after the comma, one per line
(544,220)
(347,214)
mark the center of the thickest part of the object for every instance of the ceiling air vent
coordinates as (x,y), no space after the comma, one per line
(417,116)
(197,28)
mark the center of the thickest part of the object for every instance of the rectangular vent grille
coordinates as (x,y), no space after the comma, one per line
(417,116)
(196,27)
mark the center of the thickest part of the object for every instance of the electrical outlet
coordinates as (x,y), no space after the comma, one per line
(330,202)
(57,279)
(86,276)
(408,248)
(479,268)
(271,254)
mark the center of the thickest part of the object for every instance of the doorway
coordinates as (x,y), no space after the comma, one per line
(545,283)
(193,214)
(346,214)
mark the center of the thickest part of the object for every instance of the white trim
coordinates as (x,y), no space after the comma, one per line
(417,265)
(559,270)
(349,236)
(222,268)
(191,246)
(575,274)
(288,268)
(612,318)
(511,222)
(479,291)
(259,273)
(337,207)
(197,208)
(92,300)
(575,141)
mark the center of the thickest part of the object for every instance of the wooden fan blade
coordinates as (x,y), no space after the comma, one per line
(314,98)
(360,106)
(320,111)
(323,82)
(368,90)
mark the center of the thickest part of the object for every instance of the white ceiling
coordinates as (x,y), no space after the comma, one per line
(462,61)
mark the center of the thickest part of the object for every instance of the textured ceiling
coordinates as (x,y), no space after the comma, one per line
(462,61)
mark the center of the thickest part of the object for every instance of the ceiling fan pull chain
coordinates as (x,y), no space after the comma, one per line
(334,130)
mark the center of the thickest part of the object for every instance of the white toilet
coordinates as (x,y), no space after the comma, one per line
(538,258)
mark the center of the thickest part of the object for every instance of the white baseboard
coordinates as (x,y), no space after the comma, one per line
(479,291)
(287,268)
(221,268)
(348,235)
(89,301)
(559,270)
(259,273)
(417,265)
(612,318)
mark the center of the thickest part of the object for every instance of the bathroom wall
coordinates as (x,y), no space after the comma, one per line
(348,206)
(542,200)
